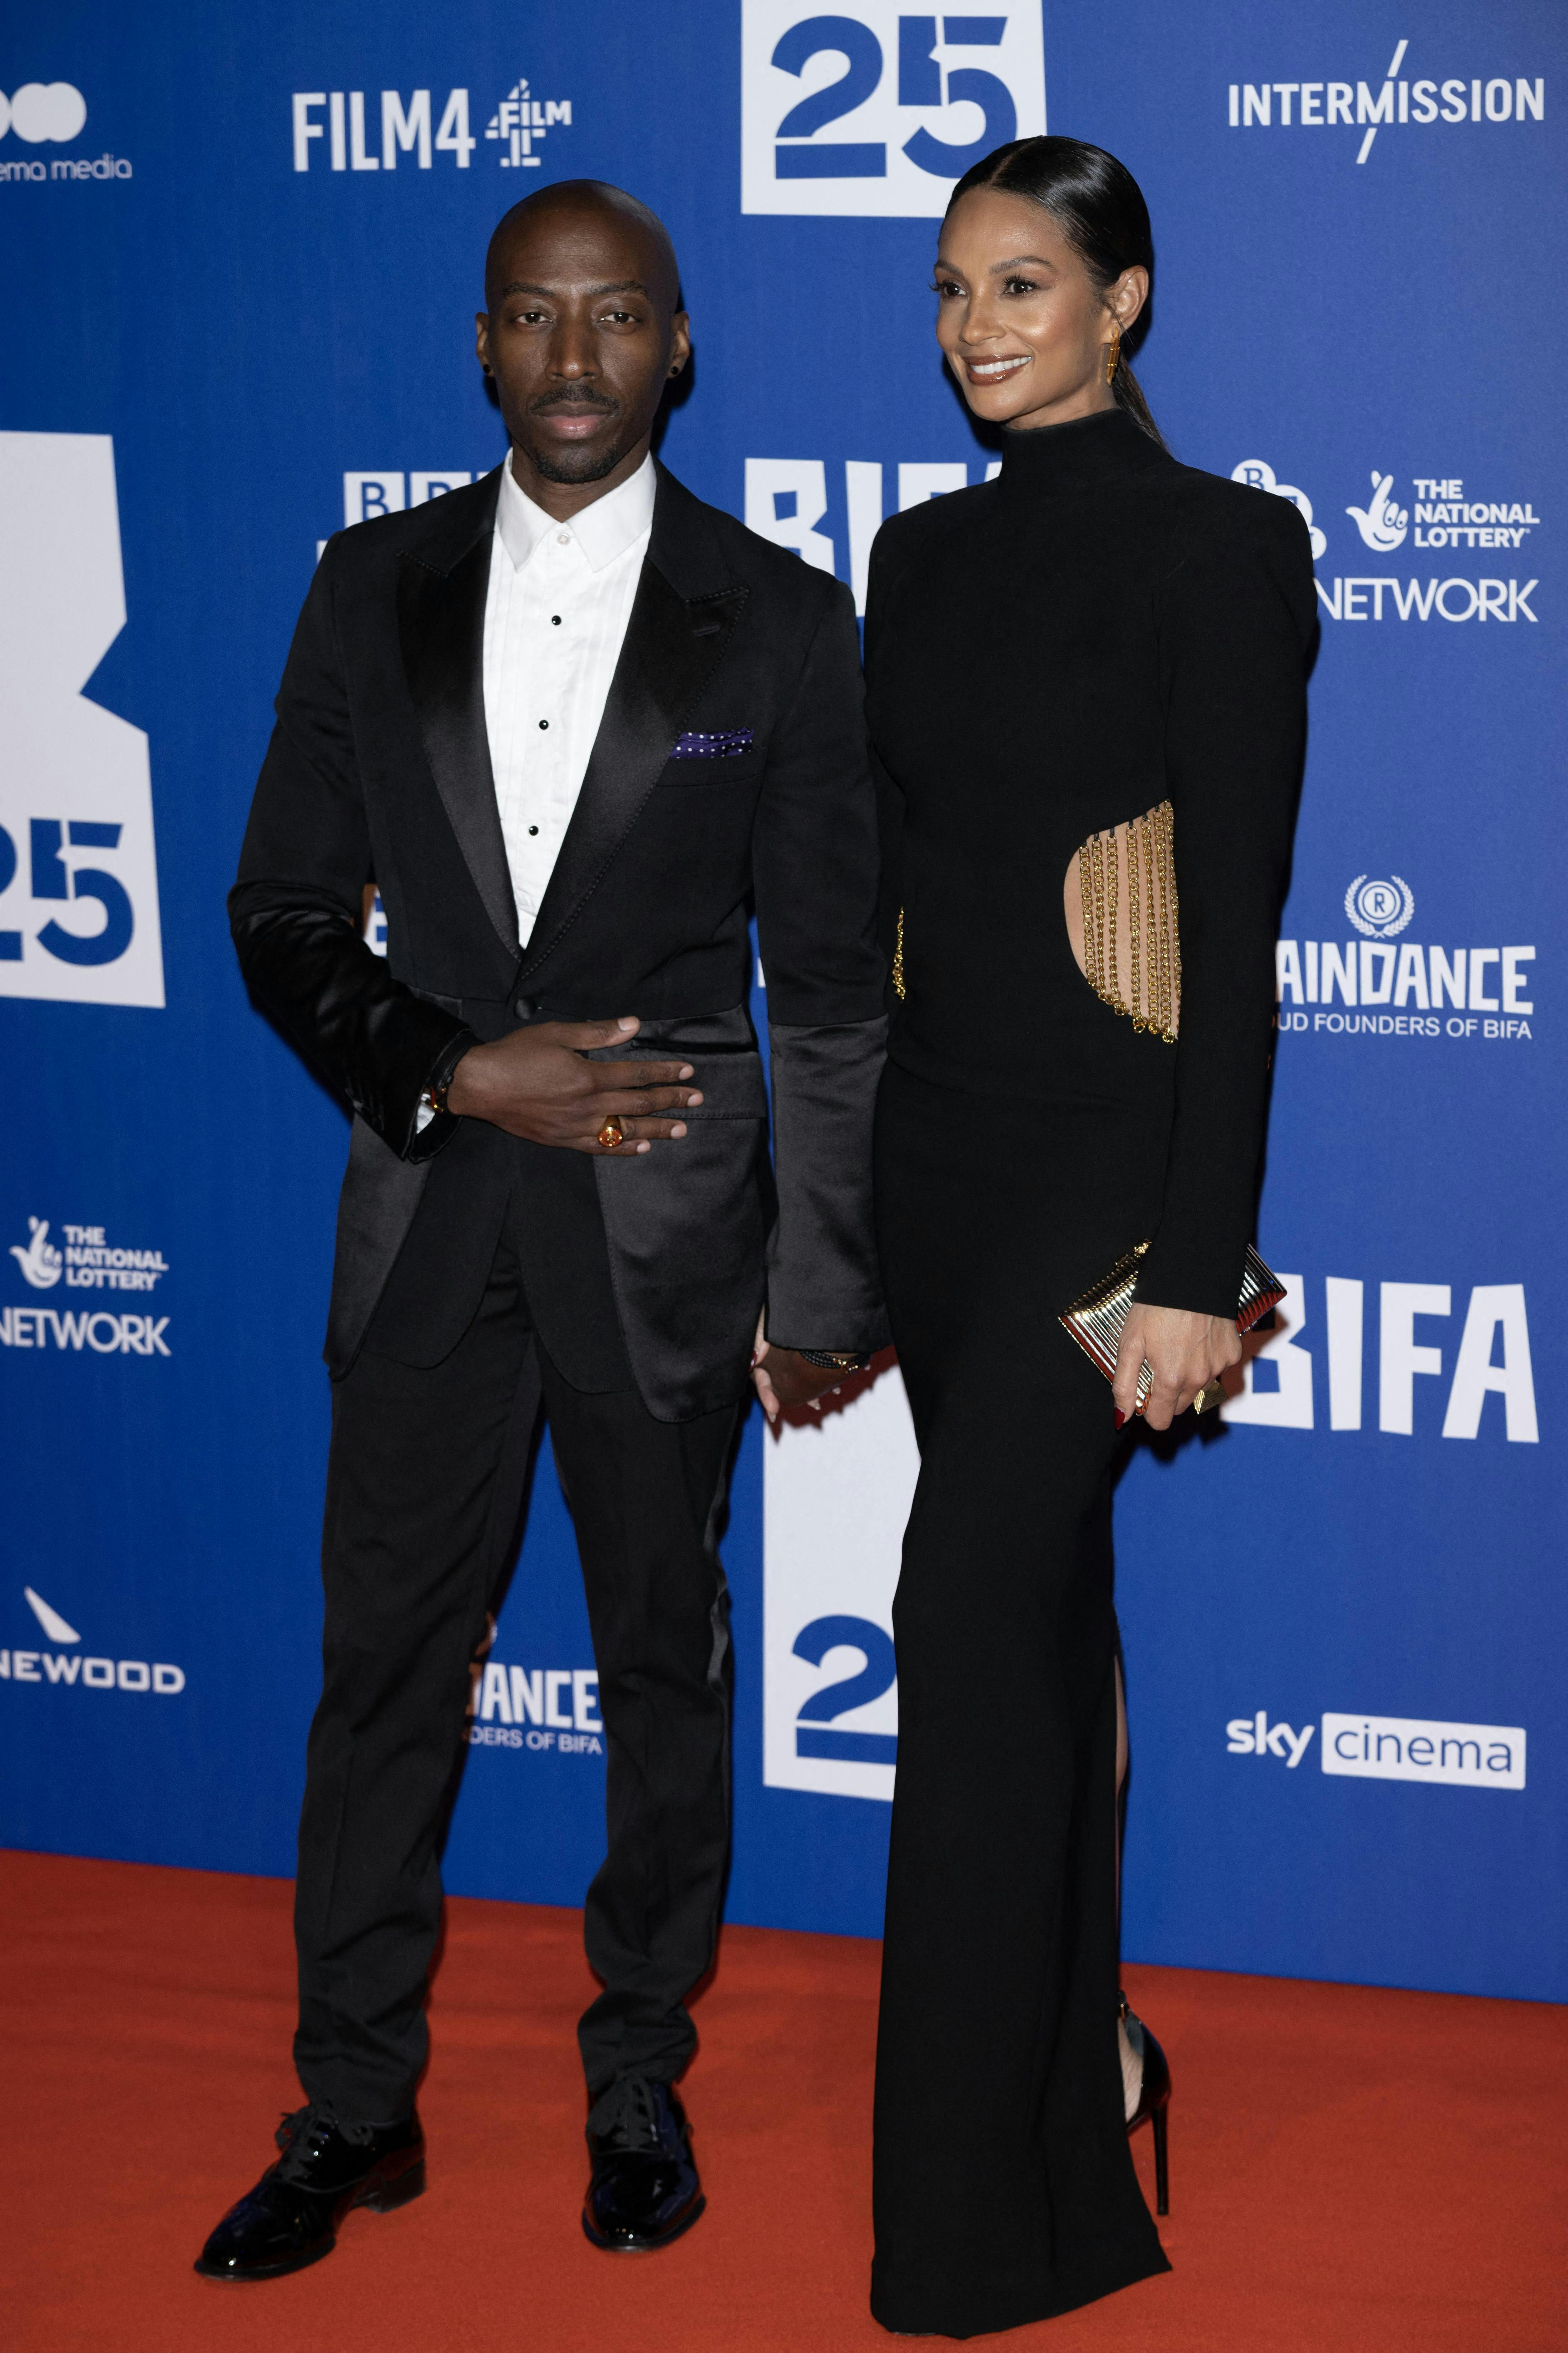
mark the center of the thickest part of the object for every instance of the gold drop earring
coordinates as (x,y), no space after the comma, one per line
(1113,355)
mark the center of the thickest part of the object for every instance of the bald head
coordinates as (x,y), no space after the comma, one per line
(572,204)
(581,331)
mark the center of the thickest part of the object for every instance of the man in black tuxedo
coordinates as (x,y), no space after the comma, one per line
(575,725)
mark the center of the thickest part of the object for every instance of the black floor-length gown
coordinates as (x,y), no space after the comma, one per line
(1100,632)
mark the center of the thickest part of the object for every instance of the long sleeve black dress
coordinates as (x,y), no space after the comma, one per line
(1098,633)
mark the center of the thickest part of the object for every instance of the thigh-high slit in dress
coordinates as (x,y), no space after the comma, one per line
(1097,637)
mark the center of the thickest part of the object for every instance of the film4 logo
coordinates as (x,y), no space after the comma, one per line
(520,120)
(350,140)
(64,1662)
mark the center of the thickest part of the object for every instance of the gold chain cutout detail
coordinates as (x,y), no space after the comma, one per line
(1154,936)
(900,991)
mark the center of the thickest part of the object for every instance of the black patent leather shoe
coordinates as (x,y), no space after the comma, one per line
(644,2190)
(1153,2101)
(291,2217)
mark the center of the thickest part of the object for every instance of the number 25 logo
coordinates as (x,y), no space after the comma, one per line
(914,79)
(52,880)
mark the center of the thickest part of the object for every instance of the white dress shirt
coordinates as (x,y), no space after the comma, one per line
(559,601)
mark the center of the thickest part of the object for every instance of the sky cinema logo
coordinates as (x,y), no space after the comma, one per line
(1368,107)
(1391,1748)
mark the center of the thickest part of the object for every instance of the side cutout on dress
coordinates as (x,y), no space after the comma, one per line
(1133,965)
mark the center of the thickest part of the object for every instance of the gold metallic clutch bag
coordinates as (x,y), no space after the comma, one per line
(1097,1320)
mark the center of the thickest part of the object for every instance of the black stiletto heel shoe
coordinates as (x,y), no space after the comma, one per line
(1153,2101)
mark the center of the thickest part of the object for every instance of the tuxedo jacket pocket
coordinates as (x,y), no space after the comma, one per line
(725,768)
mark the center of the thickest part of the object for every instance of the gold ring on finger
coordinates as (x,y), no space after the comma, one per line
(612,1134)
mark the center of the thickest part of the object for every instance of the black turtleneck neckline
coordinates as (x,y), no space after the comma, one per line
(1086,452)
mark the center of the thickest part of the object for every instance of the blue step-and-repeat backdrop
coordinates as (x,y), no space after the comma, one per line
(241,256)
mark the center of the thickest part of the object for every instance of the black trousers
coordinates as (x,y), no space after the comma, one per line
(425,1490)
(1004,2191)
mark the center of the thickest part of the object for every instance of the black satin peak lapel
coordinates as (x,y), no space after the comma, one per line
(441,624)
(672,647)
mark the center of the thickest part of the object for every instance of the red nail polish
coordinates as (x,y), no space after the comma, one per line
(1121,1417)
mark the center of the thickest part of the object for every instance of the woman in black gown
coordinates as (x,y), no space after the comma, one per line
(1078,1063)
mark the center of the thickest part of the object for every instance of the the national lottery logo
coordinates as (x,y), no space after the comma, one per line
(879,111)
(65,1663)
(41,1263)
(88,1261)
(83,1258)
(1381,910)
(1398,99)
(1446,517)
(1381,522)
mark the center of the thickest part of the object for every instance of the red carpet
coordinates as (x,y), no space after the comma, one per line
(1353,2170)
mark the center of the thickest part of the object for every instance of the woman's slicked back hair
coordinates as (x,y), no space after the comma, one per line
(1099,209)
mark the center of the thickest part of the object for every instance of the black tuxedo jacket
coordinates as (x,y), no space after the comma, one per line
(379,766)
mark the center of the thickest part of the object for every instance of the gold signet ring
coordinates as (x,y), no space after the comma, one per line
(612,1134)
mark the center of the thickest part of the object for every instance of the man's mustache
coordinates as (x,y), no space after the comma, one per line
(572,396)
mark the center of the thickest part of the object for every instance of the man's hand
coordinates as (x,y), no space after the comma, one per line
(1186,1352)
(783,1378)
(536,1083)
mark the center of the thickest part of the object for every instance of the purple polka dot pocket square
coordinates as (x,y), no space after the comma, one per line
(724,743)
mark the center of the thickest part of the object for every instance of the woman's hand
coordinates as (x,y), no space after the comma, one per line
(1186,1352)
(783,1378)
